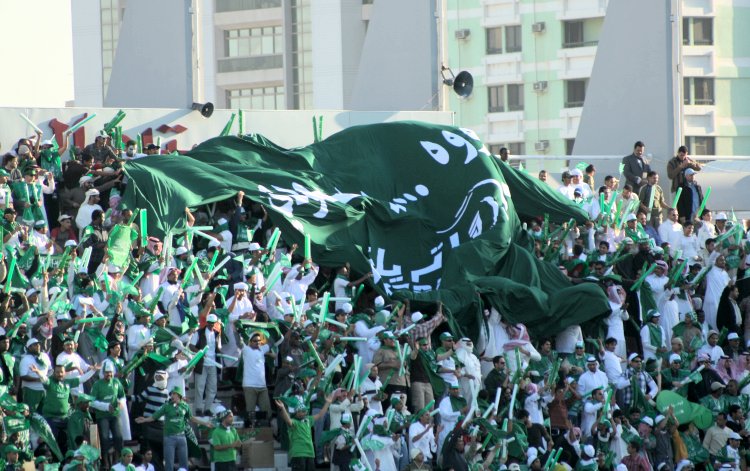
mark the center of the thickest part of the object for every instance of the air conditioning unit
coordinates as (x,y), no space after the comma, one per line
(541,146)
(462,33)
(540,86)
(538,27)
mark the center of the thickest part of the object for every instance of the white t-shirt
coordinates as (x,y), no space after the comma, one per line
(44,366)
(254,366)
(210,343)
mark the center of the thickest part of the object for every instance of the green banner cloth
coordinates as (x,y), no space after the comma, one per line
(419,205)
(119,244)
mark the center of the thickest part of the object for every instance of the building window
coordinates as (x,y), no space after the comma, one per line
(496,99)
(578,33)
(701,145)
(499,95)
(575,93)
(512,39)
(260,98)
(495,40)
(250,42)
(238,5)
(515,148)
(515,97)
(301,90)
(569,143)
(697,31)
(698,91)
(573,31)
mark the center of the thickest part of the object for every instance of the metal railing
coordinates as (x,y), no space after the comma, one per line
(571,45)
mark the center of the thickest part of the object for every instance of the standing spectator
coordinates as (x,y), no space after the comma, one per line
(107,393)
(652,186)
(85,212)
(254,377)
(205,380)
(100,150)
(176,415)
(422,435)
(33,388)
(225,441)
(691,197)
(387,360)
(588,177)
(302,451)
(677,166)
(635,461)
(670,230)
(636,168)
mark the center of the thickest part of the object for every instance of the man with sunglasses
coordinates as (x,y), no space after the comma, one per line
(497,377)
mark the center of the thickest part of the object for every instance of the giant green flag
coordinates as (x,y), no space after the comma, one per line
(420,205)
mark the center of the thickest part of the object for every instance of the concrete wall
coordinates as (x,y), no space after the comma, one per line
(398,69)
(338,36)
(87,53)
(153,65)
(631,84)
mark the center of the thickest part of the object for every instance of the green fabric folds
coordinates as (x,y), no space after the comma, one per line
(419,205)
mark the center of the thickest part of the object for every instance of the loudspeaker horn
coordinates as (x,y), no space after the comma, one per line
(206,109)
(463,83)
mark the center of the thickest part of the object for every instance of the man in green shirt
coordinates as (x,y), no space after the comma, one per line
(301,449)
(176,415)
(56,405)
(225,441)
(107,393)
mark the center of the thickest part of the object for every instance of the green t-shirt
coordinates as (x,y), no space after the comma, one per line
(57,401)
(300,439)
(109,392)
(224,436)
(176,417)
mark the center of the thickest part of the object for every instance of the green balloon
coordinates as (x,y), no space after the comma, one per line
(683,409)
(702,417)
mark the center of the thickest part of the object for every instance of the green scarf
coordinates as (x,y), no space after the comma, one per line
(654,333)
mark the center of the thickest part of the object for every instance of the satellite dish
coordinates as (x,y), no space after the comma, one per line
(463,83)
(206,109)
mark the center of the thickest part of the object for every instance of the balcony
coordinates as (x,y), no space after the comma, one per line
(698,61)
(699,120)
(577,9)
(237,5)
(577,62)
(500,12)
(698,8)
(505,127)
(571,118)
(503,68)
(242,64)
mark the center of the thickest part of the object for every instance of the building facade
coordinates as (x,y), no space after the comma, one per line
(272,54)
(532,61)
